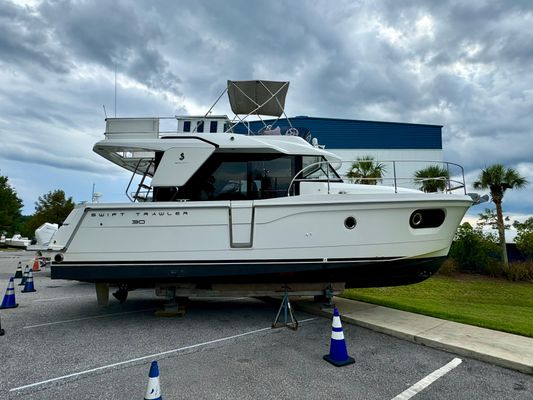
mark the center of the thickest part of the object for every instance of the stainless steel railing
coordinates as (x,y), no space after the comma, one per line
(453,178)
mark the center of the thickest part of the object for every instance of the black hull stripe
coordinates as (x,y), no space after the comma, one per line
(291,261)
(355,273)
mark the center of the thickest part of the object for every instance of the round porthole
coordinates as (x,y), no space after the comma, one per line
(350,223)
(416,219)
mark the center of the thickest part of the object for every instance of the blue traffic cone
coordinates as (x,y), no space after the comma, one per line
(18,274)
(338,355)
(9,298)
(28,287)
(153,391)
(25,275)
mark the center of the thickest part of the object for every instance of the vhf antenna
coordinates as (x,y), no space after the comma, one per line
(115,90)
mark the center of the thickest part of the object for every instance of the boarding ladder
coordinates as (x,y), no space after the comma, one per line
(144,189)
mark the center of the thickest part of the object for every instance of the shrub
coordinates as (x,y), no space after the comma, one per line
(494,268)
(520,271)
(474,251)
(448,267)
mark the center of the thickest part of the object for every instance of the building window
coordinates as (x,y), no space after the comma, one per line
(213,126)
(186,126)
(200,126)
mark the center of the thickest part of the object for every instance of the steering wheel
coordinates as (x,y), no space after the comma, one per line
(292,132)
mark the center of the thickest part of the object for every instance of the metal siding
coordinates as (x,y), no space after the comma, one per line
(357,134)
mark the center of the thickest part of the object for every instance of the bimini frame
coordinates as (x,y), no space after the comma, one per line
(255,98)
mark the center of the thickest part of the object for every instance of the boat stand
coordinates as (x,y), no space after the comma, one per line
(328,295)
(287,312)
(326,299)
(122,293)
(174,308)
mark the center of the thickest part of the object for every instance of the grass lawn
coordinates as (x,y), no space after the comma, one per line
(472,299)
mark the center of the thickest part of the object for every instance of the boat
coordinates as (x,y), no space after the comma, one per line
(17,241)
(43,235)
(214,208)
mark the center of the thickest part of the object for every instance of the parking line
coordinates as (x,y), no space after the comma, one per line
(103,316)
(133,360)
(428,380)
(62,298)
(85,318)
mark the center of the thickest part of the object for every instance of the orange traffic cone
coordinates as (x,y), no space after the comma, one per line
(36,265)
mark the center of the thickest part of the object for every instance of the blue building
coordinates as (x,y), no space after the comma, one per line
(417,145)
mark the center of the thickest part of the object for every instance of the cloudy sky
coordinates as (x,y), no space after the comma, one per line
(464,65)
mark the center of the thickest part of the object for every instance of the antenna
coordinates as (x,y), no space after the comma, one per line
(105,113)
(115,90)
(95,195)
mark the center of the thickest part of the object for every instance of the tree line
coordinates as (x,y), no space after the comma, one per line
(52,207)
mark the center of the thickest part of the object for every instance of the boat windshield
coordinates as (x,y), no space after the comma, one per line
(317,168)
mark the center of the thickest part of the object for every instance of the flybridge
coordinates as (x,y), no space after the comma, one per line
(159,127)
(245,97)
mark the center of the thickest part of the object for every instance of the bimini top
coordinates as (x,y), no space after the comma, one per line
(257,97)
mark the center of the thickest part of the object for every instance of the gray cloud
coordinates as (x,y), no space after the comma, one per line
(463,65)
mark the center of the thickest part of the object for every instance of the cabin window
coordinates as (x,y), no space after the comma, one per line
(213,126)
(186,126)
(240,177)
(271,177)
(200,126)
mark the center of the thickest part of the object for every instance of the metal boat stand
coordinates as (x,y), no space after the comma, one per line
(122,293)
(326,298)
(2,332)
(287,312)
(175,307)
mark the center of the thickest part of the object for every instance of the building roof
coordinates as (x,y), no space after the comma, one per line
(337,133)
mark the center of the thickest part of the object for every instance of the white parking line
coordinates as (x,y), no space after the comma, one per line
(85,318)
(428,380)
(151,356)
(106,315)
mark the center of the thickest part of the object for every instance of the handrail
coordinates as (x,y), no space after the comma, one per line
(450,184)
(131,179)
(135,196)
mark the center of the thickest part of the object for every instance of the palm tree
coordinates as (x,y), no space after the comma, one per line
(498,179)
(366,171)
(432,178)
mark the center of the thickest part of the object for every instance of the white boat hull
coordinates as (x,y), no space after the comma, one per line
(289,239)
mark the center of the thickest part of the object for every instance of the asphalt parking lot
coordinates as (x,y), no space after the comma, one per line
(59,345)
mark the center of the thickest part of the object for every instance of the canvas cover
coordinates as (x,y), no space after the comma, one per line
(257,97)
